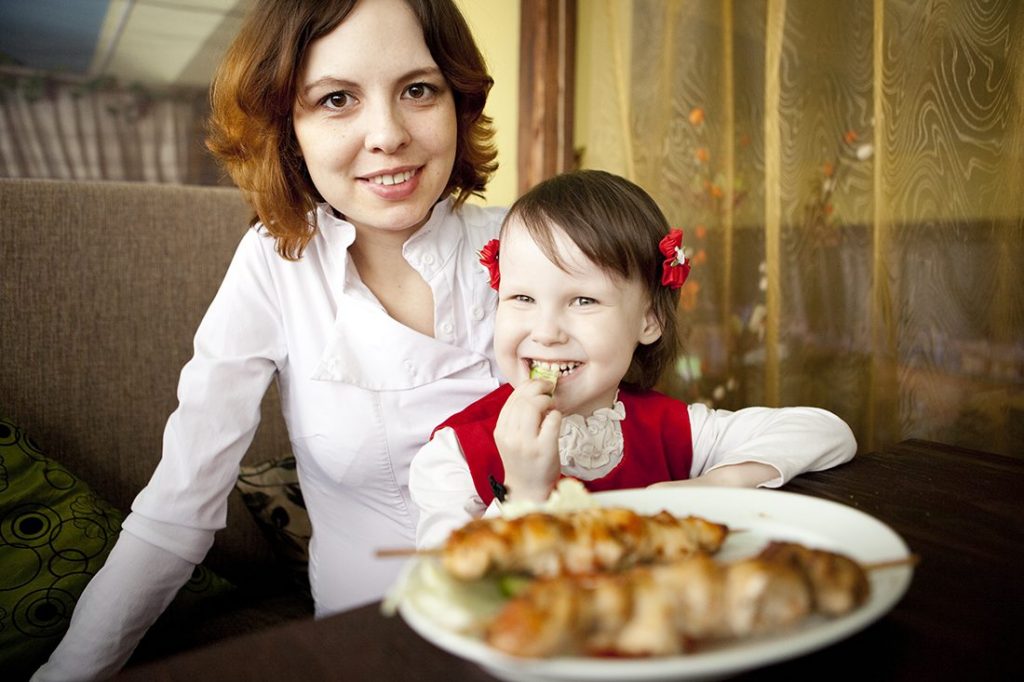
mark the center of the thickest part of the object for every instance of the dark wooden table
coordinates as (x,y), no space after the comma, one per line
(959,510)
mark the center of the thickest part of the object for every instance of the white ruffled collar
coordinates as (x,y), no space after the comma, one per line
(590,447)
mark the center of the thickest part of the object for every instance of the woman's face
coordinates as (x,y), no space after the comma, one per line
(375,119)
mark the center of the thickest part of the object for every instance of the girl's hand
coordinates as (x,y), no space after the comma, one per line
(527,438)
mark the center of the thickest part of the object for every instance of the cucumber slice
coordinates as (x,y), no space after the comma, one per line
(545,373)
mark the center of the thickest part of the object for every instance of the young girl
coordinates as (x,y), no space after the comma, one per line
(588,287)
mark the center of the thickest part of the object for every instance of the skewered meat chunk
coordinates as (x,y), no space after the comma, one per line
(839,583)
(583,541)
(663,609)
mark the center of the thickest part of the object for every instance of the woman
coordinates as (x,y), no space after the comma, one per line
(356,130)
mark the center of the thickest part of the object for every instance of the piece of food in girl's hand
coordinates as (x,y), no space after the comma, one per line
(546,371)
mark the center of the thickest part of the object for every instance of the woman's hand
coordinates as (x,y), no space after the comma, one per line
(527,438)
(742,475)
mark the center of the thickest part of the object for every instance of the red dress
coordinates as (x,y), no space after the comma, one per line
(656,433)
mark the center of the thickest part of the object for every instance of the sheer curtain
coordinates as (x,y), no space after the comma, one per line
(850,179)
(59,127)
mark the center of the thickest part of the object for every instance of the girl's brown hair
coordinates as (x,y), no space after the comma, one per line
(250,128)
(618,226)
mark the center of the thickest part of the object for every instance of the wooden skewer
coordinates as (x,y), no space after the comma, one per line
(909,560)
(396,552)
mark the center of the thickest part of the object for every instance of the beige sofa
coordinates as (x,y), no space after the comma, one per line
(101,289)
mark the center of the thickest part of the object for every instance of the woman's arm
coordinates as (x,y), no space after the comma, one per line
(238,347)
(118,606)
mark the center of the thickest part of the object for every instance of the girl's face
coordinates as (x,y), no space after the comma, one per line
(585,320)
(375,119)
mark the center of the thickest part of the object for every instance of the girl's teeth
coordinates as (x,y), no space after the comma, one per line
(396,179)
(563,368)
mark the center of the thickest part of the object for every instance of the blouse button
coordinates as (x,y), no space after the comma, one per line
(408,366)
(428,259)
(447,328)
(477,313)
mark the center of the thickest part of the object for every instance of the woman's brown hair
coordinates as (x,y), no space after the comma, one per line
(250,128)
(618,226)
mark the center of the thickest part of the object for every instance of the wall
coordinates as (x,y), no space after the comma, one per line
(604,46)
(495,25)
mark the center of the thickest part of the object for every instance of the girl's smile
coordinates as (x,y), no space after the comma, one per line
(563,367)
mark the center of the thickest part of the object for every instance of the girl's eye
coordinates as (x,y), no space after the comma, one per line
(336,100)
(522,298)
(584,300)
(420,91)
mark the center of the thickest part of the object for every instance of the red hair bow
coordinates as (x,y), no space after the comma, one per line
(676,267)
(489,259)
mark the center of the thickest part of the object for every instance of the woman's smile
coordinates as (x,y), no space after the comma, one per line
(394,185)
(392,178)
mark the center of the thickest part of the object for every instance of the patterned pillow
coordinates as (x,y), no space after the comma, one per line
(55,534)
(271,492)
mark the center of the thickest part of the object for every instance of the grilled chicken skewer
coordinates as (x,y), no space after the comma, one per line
(584,541)
(664,609)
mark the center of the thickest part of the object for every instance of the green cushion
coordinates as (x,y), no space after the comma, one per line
(55,534)
(271,493)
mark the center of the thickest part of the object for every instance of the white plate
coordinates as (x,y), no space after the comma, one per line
(765,515)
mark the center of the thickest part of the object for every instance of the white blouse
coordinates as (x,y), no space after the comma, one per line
(360,394)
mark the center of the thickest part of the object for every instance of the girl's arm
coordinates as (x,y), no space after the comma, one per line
(743,475)
(442,487)
(759,446)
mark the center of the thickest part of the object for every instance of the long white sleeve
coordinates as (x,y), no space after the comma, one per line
(442,487)
(121,602)
(793,440)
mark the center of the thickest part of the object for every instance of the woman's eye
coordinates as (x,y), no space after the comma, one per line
(336,100)
(522,298)
(420,91)
(583,300)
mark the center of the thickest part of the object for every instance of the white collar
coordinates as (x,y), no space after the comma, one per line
(427,251)
(590,447)
(368,348)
